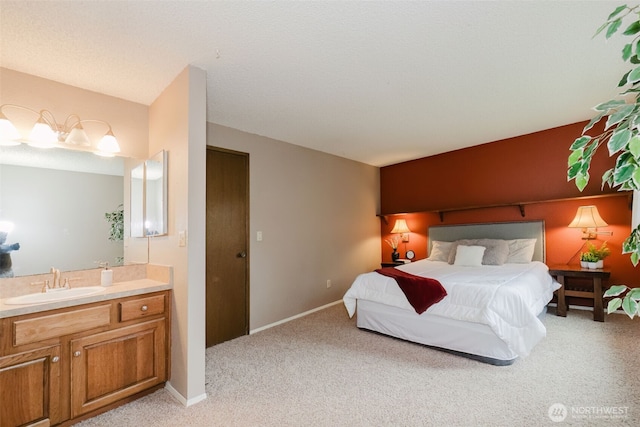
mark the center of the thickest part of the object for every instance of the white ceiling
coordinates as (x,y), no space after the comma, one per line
(378,82)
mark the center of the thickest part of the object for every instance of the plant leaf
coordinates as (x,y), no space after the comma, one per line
(592,123)
(634,293)
(607,178)
(582,180)
(634,146)
(623,174)
(580,142)
(626,51)
(636,177)
(613,27)
(605,106)
(615,290)
(575,157)
(616,12)
(618,141)
(634,75)
(632,29)
(573,171)
(613,305)
(629,306)
(621,114)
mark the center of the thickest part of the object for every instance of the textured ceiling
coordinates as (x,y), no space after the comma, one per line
(377,82)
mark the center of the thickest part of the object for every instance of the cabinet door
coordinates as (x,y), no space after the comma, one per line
(30,388)
(109,366)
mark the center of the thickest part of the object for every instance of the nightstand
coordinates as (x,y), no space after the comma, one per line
(391,264)
(561,272)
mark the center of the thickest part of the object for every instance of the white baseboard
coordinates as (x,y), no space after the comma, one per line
(297,316)
(180,398)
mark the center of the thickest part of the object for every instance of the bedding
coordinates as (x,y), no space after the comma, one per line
(507,298)
(421,292)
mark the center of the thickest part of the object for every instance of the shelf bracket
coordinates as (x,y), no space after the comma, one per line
(384,219)
(521,207)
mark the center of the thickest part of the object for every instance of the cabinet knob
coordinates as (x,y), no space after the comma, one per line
(144,308)
(55,359)
(76,353)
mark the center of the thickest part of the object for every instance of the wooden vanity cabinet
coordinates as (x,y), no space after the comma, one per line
(60,366)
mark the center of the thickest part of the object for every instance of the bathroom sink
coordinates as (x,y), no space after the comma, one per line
(57,295)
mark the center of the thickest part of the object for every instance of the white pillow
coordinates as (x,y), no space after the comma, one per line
(520,251)
(439,251)
(469,256)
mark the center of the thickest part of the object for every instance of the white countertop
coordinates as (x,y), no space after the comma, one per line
(117,290)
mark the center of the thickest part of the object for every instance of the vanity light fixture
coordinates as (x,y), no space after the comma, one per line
(588,218)
(48,133)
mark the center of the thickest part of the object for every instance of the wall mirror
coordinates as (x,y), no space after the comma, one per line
(56,199)
(149,197)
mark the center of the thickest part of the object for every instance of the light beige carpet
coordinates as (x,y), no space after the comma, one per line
(321,370)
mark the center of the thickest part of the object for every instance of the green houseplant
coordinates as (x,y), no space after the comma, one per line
(116,223)
(621,132)
(594,257)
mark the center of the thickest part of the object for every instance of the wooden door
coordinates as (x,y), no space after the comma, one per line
(227,256)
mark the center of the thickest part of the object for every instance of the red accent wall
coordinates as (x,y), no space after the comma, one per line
(528,168)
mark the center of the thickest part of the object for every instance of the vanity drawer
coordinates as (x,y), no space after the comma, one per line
(55,325)
(141,307)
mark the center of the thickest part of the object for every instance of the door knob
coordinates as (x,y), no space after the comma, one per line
(242,254)
(76,354)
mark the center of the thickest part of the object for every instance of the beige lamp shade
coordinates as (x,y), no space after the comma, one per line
(588,217)
(400,227)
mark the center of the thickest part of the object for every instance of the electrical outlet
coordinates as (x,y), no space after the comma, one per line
(259,236)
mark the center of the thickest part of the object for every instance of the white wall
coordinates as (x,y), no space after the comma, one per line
(177,123)
(317,214)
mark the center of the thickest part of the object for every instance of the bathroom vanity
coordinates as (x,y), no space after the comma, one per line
(68,360)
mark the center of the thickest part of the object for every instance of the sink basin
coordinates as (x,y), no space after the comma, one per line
(64,294)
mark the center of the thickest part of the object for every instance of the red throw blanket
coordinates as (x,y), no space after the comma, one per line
(421,292)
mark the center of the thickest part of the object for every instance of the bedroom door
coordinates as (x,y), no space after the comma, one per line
(227,252)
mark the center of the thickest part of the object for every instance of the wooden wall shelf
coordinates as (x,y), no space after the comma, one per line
(520,205)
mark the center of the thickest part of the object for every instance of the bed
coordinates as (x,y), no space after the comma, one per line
(494,303)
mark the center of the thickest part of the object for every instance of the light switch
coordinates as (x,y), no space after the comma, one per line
(182,238)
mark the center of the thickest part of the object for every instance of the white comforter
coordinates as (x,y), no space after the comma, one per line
(507,298)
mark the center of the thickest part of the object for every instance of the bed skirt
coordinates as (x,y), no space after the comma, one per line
(472,340)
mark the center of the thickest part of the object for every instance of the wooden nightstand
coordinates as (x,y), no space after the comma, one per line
(391,264)
(561,272)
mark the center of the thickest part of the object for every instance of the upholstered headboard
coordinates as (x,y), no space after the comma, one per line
(494,230)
